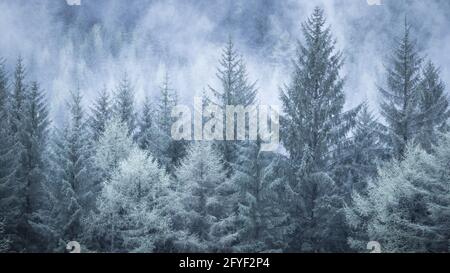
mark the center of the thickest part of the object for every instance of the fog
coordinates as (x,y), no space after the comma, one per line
(92,45)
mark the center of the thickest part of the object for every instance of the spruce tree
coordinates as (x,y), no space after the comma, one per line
(33,164)
(67,211)
(401,97)
(260,221)
(367,148)
(18,111)
(201,184)
(18,96)
(4,241)
(24,145)
(167,152)
(6,138)
(146,125)
(434,107)
(235,90)
(7,158)
(100,114)
(314,130)
(123,106)
(73,172)
(439,204)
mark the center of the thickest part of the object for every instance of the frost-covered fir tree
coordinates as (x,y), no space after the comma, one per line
(72,172)
(235,90)
(113,147)
(123,104)
(434,107)
(100,114)
(401,96)
(128,217)
(439,204)
(202,188)
(260,221)
(397,210)
(314,129)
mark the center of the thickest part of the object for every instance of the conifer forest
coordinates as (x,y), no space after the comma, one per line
(90,92)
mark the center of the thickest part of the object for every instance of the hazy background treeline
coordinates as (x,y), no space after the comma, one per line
(94,44)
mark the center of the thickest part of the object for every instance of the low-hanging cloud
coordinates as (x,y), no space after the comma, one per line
(92,45)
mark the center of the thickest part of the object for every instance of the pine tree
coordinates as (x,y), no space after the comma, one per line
(100,114)
(402,95)
(235,90)
(434,107)
(314,130)
(123,106)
